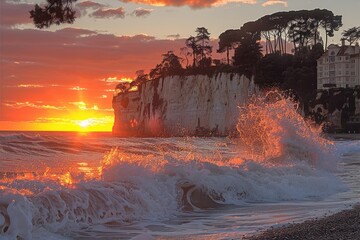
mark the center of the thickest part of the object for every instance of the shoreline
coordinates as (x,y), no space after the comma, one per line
(344,225)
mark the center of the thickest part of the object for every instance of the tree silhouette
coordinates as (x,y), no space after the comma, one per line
(330,24)
(228,40)
(141,78)
(191,43)
(351,35)
(248,53)
(156,72)
(122,87)
(185,52)
(274,29)
(170,65)
(204,49)
(54,12)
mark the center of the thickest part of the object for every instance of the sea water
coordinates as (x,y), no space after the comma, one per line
(278,170)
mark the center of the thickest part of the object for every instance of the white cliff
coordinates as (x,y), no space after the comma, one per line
(183,105)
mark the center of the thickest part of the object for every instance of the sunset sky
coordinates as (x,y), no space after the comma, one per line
(63,77)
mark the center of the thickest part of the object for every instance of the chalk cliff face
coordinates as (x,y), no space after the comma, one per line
(182,105)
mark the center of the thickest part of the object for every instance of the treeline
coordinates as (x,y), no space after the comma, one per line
(279,50)
(196,57)
(272,65)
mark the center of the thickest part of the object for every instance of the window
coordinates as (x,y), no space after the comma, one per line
(332,59)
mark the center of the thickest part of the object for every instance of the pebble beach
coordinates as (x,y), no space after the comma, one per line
(344,225)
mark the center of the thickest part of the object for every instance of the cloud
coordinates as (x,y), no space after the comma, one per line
(142,12)
(89,4)
(191,3)
(109,13)
(83,106)
(27,86)
(18,105)
(275,2)
(77,88)
(112,80)
(173,36)
(13,13)
(76,32)
(65,61)
(92,121)
(82,8)
(30,86)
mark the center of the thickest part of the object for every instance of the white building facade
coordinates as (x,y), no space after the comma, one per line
(339,67)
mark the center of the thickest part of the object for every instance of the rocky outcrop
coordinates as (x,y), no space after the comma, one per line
(182,105)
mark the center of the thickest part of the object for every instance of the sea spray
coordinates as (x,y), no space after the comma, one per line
(278,157)
(271,129)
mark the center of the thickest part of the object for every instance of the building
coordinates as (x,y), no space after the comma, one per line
(339,67)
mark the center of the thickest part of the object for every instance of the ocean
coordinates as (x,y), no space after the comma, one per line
(279,169)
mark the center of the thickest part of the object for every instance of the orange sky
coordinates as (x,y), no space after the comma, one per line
(56,80)
(62,78)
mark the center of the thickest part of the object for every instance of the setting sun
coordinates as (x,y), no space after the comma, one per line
(84,123)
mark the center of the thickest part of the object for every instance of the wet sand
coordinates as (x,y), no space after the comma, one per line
(344,225)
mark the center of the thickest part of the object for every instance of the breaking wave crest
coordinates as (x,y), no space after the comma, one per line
(278,157)
(271,129)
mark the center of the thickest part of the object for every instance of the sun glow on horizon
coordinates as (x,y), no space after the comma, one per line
(92,123)
(67,124)
(85,123)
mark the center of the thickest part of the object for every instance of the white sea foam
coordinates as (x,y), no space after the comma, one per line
(134,188)
(278,158)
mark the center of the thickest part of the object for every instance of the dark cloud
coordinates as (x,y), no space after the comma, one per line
(173,36)
(89,4)
(76,32)
(83,7)
(109,13)
(141,12)
(12,13)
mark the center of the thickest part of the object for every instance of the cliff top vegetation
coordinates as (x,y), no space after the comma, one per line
(278,50)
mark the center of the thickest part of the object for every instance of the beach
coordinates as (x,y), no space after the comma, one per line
(343,225)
